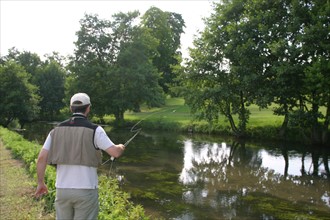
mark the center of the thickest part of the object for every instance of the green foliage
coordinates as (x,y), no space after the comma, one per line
(19,99)
(113,63)
(176,116)
(114,204)
(48,77)
(262,52)
(251,52)
(28,153)
(30,61)
(167,28)
(51,80)
(265,132)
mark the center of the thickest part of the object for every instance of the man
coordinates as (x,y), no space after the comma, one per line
(74,146)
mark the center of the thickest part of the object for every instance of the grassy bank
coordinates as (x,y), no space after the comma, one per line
(114,203)
(176,116)
(177,112)
(17,189)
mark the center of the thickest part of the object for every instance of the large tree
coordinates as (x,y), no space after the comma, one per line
(315,40)
(50,78)
(113,63)
(219,75)
(167,28)
(30,61)
(19,99)
(91,64)
(135,78)
(263,52)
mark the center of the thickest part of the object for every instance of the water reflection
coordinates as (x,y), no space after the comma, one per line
(225,174)
(204,177)
(201,156)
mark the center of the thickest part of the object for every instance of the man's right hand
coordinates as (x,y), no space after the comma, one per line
(41,190)
(116,150)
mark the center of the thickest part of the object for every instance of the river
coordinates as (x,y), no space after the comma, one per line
(186,177)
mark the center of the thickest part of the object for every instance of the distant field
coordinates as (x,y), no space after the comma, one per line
(176,111)
(263,117)
(176,116)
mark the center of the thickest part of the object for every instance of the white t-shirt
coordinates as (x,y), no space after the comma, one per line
(76,176)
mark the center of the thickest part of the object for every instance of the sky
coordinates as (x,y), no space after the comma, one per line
(44,26)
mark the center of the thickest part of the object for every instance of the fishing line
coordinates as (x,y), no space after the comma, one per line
(137,131)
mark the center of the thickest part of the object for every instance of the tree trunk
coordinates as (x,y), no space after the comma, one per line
(325,130)
(286,160)
(8,122)
(243,116)
(303,171)
(326,165)
(236,131)
(316,131)
(119,118)
(315,161)
(284,125)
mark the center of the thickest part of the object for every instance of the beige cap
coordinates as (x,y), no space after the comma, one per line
(80,99)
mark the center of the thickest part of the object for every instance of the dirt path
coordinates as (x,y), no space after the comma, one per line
(16,190)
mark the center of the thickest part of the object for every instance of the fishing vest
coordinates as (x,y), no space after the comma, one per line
(73,143)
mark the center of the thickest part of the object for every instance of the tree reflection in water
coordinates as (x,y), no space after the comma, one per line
(219,180)
(226,174)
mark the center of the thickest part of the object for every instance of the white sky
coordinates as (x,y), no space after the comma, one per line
(45,26)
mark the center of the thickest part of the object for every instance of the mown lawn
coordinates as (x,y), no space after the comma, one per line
(176,116)
(263,117)
(176,111)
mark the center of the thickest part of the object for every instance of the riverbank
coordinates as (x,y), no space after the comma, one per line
(17,189)
(114,203)
(175,116)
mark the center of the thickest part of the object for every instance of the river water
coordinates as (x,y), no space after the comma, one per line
(175,176)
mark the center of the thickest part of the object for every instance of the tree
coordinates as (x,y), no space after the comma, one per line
(219,74)
(19,99)
(30,61)
(93,56)
(167,28)
(113,63)
(48,76)
(264,52)
(55,57)
(51,80)
(314,37)
(134,80)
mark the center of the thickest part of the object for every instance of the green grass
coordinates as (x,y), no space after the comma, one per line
(263,117)
(176,111)
(17,189)
(176,116)
(173,111)
(114,203)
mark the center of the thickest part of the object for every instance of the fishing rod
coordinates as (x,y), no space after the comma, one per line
(137,131)
(129,140)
